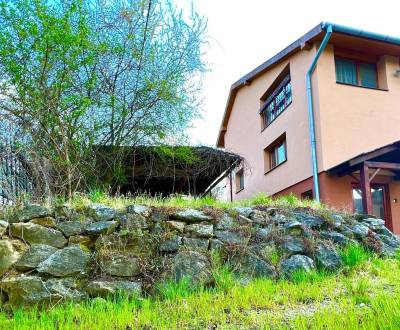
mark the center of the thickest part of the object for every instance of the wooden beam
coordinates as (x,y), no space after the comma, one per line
(354,177)
(365,189)
(383,165)
(373,154)
(374,174)
(230,185)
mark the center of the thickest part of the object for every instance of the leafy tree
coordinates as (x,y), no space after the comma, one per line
(77,74)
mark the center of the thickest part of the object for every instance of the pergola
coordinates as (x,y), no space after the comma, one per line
(370,164)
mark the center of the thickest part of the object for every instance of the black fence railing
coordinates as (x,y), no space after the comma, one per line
(14,179)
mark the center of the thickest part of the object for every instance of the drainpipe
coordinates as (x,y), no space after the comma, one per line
(311,112)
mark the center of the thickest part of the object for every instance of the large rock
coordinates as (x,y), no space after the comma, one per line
(293,245)
(192,266)
(84,241)
(391,240)
(107,288)
(244,211)
(34,255)
(196,243)
(294,227)
(328,258)
(134,222)
(36,234)
(296,263)
(311,221)
(31,211)
(101,227)
(226,222)
(142,246)
(262,234)
(25,290)
(179,226)
(250,265)
(101,212)
(360,230)
(190,215)
(65,288)
(336,221)
(171,244)
(69,261)
(45,222)
(142,210)
(335,237)
(120,264)
(3,227)
(374,224)
(8,255)
(232,237)
(71,228)
(200,230)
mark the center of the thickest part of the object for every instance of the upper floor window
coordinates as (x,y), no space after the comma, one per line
(356,73)
(277,100)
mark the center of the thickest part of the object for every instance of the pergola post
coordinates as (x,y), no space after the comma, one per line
(366,189)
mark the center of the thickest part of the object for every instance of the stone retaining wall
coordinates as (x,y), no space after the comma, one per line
(64,254)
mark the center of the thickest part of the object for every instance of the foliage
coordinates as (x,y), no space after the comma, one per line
(78,74)
(317,302)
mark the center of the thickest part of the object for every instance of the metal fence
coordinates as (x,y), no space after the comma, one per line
(14,179)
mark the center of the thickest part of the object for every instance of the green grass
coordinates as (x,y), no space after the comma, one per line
(97,196)
(367,297)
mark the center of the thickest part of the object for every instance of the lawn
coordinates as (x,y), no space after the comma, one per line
(364,295)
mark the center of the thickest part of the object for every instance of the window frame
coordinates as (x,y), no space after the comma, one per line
(281,83)
(239,180)
(272,151)
(274,154)
(307,195)
(358,64)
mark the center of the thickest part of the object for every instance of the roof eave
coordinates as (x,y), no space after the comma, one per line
(246,79)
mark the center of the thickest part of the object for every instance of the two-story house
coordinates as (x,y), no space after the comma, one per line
(321,119)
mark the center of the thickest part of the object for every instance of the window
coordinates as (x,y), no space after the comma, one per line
(356,73)
(239,180)
(277,100)
(275,154)
(378,200)
(307,195)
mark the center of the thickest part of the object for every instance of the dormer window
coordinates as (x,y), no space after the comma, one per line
(277,98)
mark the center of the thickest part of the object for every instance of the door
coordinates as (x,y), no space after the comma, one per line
(379,197)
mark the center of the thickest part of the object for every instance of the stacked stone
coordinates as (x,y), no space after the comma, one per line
(63,254)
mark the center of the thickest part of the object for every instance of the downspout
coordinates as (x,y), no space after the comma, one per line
(311,123)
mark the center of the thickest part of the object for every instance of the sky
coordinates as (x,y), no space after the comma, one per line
(242,34)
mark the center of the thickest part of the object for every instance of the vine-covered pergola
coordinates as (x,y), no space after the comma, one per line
(165,170)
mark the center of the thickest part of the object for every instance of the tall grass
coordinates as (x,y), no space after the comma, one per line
(354,254)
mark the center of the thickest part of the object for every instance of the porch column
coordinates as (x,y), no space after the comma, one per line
(366,189)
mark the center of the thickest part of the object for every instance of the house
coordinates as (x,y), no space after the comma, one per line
(321,119)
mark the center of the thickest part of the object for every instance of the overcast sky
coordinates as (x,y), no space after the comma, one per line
(245,33)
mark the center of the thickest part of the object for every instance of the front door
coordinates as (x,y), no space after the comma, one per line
(379,200)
